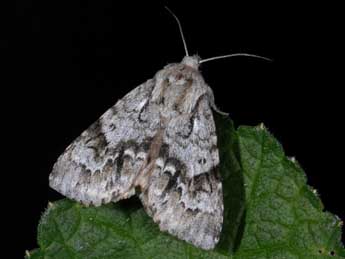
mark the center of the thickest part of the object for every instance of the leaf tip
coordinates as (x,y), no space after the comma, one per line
(27,254)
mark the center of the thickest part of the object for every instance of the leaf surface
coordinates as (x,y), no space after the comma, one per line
(269,212)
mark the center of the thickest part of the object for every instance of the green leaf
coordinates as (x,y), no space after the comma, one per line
(269,212)
(284,217)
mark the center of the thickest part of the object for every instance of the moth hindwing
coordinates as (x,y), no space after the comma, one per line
(161,139)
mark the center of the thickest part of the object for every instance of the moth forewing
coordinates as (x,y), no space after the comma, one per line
(160,138)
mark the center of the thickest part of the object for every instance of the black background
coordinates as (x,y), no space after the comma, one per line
(73,61)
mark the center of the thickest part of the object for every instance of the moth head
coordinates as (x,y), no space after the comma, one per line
(192,61)
(195,61)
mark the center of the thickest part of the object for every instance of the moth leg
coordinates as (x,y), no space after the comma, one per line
(213,104)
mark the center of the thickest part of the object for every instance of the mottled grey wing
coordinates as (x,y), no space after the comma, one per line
(184,194)
(102,163)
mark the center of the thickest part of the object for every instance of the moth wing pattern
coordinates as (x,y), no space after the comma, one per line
(160,137)
(102,163)
(184,194)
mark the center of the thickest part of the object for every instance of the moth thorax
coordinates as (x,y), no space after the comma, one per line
(192,61)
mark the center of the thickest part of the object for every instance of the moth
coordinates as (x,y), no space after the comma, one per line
(160,139)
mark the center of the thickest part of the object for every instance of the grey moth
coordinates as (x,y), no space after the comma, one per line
(161,139)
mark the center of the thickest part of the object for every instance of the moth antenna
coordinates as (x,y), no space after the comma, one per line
(235,55)
(180,28)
